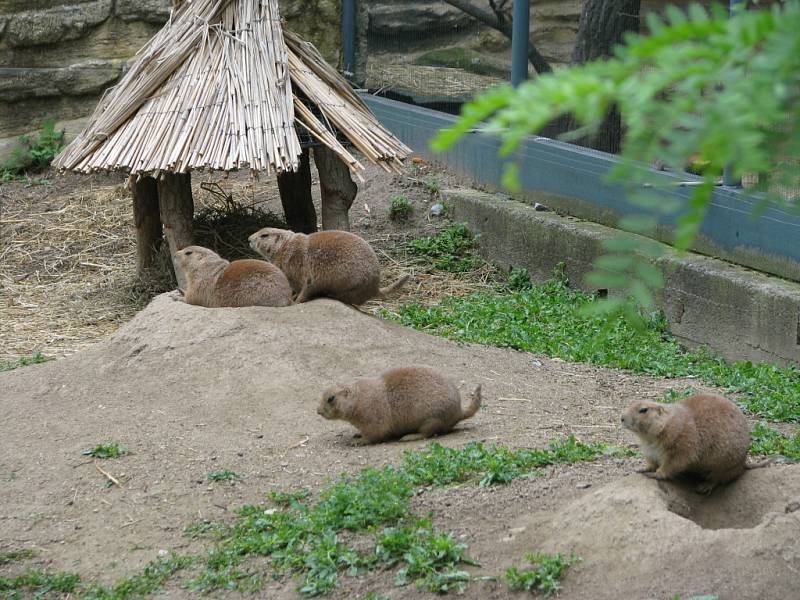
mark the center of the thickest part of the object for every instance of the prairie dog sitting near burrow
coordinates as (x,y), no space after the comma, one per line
(704,434)
(407,400)
(336,264)
(213,282)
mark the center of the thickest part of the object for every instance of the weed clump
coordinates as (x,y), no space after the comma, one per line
(223,475)
(451,250)
(107,450)
(545,574)
(400,208)
(24,361)
(36,153)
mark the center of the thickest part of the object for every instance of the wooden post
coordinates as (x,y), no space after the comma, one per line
(337,189)
(177,210)
(295,191)
(147,220)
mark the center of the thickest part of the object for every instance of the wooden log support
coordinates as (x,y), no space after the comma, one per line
(177,211)
(295,191)
(337,188)
(147,221)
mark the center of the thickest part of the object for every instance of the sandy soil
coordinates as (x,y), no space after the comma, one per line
(190,390)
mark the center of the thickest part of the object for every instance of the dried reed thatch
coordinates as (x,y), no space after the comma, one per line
(213,90)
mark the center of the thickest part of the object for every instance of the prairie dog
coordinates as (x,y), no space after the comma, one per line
(213,282)
(336,264)
(703,434)
(397,402)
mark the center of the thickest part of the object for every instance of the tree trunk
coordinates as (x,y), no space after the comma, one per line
(147,220)
(295,191)
(177,211)
(337,189)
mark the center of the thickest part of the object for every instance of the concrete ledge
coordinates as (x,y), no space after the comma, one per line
(740,314)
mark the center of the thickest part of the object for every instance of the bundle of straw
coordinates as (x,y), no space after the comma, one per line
(213,90)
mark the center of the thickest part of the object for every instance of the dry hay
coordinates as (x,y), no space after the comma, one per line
(66,270)
(67,260)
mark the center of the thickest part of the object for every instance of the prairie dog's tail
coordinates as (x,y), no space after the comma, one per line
(383,292)
(474,403)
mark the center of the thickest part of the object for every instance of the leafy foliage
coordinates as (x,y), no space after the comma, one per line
(400,208)
(223,475)
(768,441)
(549,319)
(36,154)
(450,250)
(108,450)
(439,465)
(699,88)
(40,582)
(154,575)
(9,556)
(545,575)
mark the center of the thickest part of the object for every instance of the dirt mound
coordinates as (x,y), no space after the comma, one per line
(646,539)
(191,390)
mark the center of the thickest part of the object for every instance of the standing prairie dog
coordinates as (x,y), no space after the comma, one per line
(704,434)
(336,264)
(397,402)
(213,282)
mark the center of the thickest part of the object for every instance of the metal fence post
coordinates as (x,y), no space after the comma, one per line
(348,37)
(520,30)
(728,179)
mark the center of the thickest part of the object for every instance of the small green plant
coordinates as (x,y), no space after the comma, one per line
(39,583)
(400,208)
(10,556)
(108,450)
(288,498)
(518,280)
(374,596)
(450,250)
(223,475)
(672,395)
(767,441)
(24,361)
(545,574)
(35,154)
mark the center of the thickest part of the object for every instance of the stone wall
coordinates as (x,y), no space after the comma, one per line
(56,58)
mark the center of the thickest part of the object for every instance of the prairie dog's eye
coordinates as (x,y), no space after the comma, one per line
(187,252)
(264,235)
(643,410)
(331,399)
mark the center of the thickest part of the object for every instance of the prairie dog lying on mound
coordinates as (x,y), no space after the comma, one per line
(213,282)
(397,402)
(336,264)
(703,434)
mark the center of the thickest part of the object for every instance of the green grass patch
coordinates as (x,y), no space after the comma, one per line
(107,450)
(767,441)
(544,575)
(439,465)
(450,250)
(154,575)
(11,556)
(24,361)
(364,522)
(38,583)
(223,475)
(548,319)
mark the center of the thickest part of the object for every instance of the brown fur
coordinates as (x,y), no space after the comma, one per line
(212,281)
(703,434)
(336,264)
(407,400)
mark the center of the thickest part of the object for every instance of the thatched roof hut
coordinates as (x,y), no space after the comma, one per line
(223,87)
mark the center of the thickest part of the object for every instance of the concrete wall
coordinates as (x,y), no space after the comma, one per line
(56,58)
